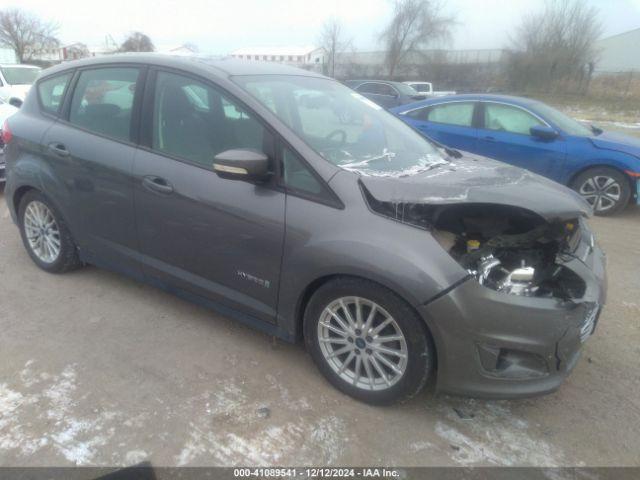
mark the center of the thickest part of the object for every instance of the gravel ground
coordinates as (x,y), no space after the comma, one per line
(96,369)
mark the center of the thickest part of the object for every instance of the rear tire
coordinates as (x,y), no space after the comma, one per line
(606,189)
(378,359)
(45,235)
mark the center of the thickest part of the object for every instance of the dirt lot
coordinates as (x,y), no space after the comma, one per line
(97,369)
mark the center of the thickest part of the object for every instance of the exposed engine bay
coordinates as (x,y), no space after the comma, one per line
(508,249)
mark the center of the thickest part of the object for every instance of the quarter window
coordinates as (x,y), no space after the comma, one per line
(508,119)
(103,101)
(51,91)
(458,113)
(195,121)
(298,176)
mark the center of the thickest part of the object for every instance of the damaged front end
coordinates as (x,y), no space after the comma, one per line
(535,287)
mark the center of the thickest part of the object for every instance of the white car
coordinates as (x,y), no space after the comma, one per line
(426,88)
(15,82)
(6,111)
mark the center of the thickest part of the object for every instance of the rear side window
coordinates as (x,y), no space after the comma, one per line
(102,101)
(452,114)
(195,121)
(51,92)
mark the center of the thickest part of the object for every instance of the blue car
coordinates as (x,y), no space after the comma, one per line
(603,167)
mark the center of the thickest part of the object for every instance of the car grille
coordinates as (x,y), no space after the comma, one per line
(589,324)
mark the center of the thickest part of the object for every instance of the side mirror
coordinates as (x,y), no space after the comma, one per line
(596,130)
(242,164)
(16,102)
(543,132)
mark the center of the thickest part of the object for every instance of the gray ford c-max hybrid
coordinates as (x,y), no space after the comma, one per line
(286,200)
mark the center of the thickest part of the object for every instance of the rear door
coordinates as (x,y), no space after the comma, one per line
(505,135)
(91,147)
(451,123)
(219,239)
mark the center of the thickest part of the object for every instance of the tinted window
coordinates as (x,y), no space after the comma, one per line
(419,113)
(508,119)
(194,121)
(386,90)
(103,100)
(457,113)
(368,88)
(298,176)
(51,92)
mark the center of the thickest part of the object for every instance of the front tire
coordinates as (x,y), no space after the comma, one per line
(607,190)
(367,341)
(45,235)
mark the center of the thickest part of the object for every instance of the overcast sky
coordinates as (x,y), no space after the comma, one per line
(221,26)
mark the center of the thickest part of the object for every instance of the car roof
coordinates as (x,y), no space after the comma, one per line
(471,97)
(221,67)
(371,80)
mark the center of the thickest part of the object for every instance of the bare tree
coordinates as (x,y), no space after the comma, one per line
(26,34)
(137,42)
(333,41)
(414,25)
(556,45)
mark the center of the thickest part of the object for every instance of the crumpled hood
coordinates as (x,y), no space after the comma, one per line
(474,179)
(617,142)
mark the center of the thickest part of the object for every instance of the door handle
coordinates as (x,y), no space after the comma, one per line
(489,138)
(157,184)
(59,149)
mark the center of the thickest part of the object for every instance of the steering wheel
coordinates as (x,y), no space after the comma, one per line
(335,133)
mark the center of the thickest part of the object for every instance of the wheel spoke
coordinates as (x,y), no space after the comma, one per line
(367,369)
(389,351)
(358,313)
(337,341)
(389,364)
(389,338)
(337,318)
(356,371)
(346,362)
(340,351)
(370,317)
(380,327)
(334,329)
(347,313)
(380,370)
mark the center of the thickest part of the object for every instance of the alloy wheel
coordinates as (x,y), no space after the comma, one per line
(362,343)
(602,192)
(42,232)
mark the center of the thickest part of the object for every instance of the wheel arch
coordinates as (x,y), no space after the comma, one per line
(603,164)
(313,286)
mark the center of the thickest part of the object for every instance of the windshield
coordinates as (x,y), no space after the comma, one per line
(344,127)
(562,121)
(20,75)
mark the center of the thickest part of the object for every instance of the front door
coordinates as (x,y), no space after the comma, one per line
(220,239)
(505,136)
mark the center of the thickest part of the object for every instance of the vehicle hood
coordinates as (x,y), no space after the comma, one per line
(474,179)
(14,91)
(617,142)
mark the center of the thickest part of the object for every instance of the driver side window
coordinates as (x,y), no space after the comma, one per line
(508,119)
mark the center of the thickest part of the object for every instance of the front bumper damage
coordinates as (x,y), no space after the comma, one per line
(495,345)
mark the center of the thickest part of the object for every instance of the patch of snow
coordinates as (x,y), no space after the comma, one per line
(494,436)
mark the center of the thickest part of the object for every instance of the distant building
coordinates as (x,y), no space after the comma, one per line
(307,57)
(619,53)
(7,55)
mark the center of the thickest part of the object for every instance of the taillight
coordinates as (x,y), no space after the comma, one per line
(6,133)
